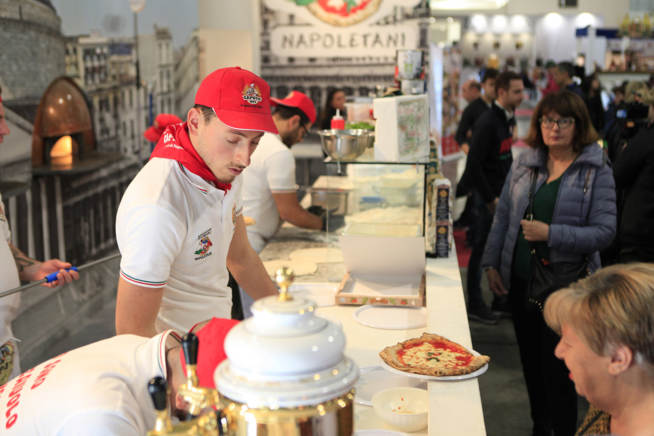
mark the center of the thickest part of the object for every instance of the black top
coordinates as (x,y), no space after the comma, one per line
(489,160)
(634,181)
(470,115)
(574,87)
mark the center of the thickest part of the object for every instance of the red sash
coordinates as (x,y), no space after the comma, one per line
(176,145)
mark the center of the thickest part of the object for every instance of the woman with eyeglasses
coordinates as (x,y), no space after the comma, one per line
(571,217)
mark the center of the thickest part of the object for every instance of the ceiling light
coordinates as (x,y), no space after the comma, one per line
(467,4)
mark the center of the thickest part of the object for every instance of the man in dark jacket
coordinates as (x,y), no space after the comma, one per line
(469,117)
(475,109)
(563,74)
(488,164)
(634,180)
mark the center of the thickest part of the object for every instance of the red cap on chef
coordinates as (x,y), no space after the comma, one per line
(239,98)
(299,100)
(154,132)
(211,349)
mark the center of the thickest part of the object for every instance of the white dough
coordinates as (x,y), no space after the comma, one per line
(318,255)
(299,267)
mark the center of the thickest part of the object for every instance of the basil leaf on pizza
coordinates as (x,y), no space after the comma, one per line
(432,355)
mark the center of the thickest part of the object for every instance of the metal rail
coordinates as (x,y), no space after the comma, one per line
(46,280)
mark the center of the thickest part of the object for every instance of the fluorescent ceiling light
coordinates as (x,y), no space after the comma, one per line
(467,4)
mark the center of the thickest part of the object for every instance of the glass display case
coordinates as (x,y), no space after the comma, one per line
(365,197)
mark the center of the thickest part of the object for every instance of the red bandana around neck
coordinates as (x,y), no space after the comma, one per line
(176,145)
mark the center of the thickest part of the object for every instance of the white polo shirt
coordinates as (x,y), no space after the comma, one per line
(271,170)
(8,279)
(174,230)
(99,389)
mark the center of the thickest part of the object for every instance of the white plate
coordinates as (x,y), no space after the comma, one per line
(391,318)
(373,379)
(379,433)
(473,374)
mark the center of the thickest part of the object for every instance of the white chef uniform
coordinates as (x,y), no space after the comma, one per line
(99,389)
(271,170)
(174,230)
(9,362)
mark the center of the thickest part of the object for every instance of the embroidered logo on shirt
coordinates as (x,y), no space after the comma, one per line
(251,94)
(204,245)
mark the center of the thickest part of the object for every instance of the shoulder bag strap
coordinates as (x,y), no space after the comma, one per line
(530,208)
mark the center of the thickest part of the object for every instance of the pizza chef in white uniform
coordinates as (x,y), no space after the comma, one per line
(101,389)
(179,225)
(269,188)
(15,267)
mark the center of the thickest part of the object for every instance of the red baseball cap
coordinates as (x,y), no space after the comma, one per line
(240,99)
(298,100)
(211,349)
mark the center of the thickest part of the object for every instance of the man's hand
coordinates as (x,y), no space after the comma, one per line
(39,270)
(493,205)
(535,231)
(465,148)
(495,282)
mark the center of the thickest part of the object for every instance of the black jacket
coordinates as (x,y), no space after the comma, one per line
(489,160)
(634,181)
(470,115)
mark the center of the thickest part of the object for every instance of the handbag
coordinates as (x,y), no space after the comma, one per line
(547,277)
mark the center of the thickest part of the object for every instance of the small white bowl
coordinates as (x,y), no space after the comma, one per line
(404,408)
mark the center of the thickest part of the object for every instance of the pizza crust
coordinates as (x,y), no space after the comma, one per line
(389,355)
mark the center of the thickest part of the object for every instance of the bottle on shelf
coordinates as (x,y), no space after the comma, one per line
(338,122)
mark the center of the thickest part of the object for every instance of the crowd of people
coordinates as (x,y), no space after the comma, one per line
(576,200)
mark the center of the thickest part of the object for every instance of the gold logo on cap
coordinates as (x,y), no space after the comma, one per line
(251,94)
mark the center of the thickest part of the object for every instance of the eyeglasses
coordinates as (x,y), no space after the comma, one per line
(306,131)
(561,123)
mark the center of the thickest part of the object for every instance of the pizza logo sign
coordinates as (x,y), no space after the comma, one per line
(204,245)
(251,94)
(341,12)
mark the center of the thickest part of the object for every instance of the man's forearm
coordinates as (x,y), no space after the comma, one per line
(304,219)
(251,275)
(23,263)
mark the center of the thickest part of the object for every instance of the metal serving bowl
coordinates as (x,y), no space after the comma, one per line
(346,144)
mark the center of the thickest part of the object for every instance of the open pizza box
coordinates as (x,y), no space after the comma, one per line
(385,271)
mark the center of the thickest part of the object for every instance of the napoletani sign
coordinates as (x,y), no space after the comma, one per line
(340,28)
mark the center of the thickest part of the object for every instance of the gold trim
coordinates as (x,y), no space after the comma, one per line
(235,409)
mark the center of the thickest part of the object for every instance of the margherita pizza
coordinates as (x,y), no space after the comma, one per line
(432,355)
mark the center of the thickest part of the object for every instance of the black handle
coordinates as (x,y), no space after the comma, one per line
(190,345)
(157,387)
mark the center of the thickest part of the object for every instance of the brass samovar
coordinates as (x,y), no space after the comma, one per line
(285,375)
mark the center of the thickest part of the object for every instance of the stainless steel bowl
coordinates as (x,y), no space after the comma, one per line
(346,144)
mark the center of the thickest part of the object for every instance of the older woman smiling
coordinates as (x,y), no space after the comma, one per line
(606,323)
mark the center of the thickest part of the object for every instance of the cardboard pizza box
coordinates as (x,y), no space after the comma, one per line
(387,271)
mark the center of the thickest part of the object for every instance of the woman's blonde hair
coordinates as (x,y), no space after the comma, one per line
(614,306)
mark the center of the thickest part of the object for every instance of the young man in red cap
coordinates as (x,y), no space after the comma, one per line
(102,388)
(16,266)
(180,226)
(269,189)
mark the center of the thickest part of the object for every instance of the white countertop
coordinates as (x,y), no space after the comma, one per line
(454,407)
